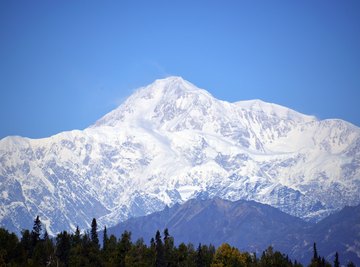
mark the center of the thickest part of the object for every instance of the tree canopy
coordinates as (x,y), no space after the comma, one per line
(83,249)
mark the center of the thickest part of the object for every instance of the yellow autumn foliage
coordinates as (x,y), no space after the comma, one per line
(227,256)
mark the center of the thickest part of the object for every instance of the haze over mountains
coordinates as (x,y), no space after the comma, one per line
(170,142)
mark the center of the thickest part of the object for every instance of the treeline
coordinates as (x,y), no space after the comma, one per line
(36,248)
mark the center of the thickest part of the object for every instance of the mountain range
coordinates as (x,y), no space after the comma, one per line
(251,227)
(170,142)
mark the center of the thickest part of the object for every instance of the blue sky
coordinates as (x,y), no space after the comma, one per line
(64,64)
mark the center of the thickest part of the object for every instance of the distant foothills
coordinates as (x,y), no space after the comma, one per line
(211,232)
(252,226)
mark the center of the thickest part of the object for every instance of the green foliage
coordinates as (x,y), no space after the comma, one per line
(139,255)
(9,244)
(159,259)
(76,249)
(271,258)
(44,253)
(63,246)
(124,247)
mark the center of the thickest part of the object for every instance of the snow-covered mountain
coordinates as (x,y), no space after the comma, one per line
(169,142)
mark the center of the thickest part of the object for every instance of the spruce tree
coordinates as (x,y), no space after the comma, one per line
(105,239)
(336,261)
(46,235)
(315,257)
(9,247)
(152,243)
(166,234)
(76,237)
(168,248)
(199,256)
(124,247)
(93,233)
(26,242)
(160,260)
(63,247)
(35,233)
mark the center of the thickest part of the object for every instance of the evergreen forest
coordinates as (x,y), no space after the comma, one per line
(37,248)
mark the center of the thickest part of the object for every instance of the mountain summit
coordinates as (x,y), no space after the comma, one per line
(160,102)
(168,101)
(169,142)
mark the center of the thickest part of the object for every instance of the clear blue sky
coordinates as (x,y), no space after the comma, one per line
(64,64)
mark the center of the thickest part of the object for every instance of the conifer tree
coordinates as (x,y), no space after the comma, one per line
(46,235)
(44,254)
(160,261)
(168,248)
(105,239)
(152,243)
(34,237)
(76,238)
(124,247)
(9,248)
(166,234)
(199,257)
(36,232)
(336,261)
(110,255)
(26,242)
(315,257)
(63,247)
(93,234)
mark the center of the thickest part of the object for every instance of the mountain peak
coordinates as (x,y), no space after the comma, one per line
(157,99)
(171,79)
(171,141)
(174,98)
(171,84)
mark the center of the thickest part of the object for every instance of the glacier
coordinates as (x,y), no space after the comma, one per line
(170,142)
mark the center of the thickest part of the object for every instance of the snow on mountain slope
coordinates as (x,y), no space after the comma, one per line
(171,141)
